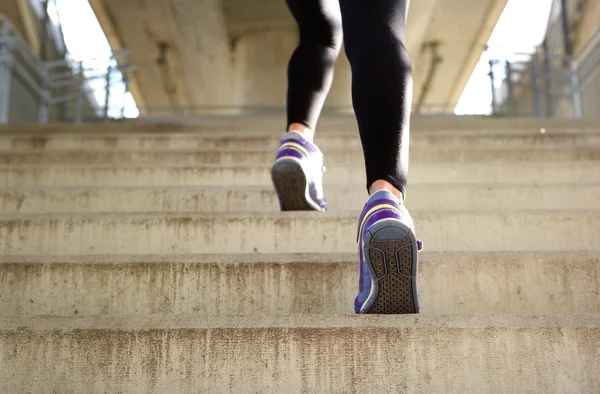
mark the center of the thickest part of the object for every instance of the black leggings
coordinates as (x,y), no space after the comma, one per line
(373,34)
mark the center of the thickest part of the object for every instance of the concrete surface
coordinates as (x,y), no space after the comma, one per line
(586,26)
(329,354)
(275,125)
(193,68)
(266,156)
(164,233)
(23,101)
(261,60)
(325,140)
(449,283)
(223,133)
(263,198)
(536,173)
(189,285)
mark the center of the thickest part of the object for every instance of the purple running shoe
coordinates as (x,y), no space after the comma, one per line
(297,174)
(388,249)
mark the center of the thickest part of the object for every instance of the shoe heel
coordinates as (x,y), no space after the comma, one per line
(290,185)
(391,252)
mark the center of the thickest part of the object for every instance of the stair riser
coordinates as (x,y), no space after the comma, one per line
(513,173)
(270,141)
(122,234)
(231,120)
(417,155)
(486,285)
(264,199)
(312,359)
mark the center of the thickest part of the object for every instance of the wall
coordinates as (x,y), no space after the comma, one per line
(24,103)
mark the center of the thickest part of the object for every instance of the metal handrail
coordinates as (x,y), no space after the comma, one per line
(588,60)
(548,76)
(9,35)
(593,42)
(63,81)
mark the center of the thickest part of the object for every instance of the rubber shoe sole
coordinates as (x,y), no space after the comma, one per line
(291,186)
(390,252)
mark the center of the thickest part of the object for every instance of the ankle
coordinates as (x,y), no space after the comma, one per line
(302,130)
(380,184)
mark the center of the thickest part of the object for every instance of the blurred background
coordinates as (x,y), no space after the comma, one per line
(80,60)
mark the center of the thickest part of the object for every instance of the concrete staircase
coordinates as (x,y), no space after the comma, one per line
(150,257)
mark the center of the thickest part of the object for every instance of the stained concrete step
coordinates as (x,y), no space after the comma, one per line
(456,283)
(533,173)
(262,156)
(270,140)
(164,233)
(263,198)
(274,122)
(316,354)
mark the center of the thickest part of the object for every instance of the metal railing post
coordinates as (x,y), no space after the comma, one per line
(45,96)
(6,65)
(509,88)
(107,97)
(491,75)
(535,87)
(575,89)
(547,80)
(78,115)
(125,90)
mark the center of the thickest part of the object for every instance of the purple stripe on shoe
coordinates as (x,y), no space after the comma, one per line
(305,144)
(381,215)
(290,152)
(373,203)
(370,205)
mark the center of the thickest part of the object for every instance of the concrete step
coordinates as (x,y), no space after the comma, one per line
(269,140)
(263,198)
(265,157)
(533,173)
(455,283)
(316,354)
(275,123)
(163,233)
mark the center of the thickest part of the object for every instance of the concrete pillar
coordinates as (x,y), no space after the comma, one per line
(205,57)
(260,62)
(12,9)
(587,25)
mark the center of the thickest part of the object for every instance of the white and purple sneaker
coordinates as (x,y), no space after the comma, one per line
(297,174)
(387,249)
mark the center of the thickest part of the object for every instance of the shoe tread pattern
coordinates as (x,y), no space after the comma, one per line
(290,185)
(392,262)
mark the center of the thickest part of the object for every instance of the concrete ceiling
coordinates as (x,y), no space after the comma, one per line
(459,28)
(247,16)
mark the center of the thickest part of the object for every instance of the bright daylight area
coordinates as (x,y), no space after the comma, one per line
(86,42)
(521,27)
